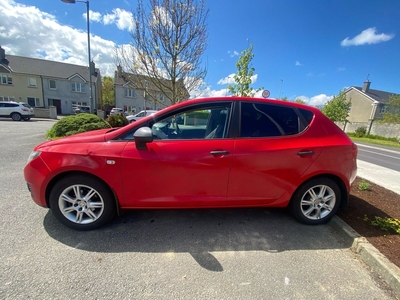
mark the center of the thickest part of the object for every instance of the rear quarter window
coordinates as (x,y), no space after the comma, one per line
(307,115)
(269,120)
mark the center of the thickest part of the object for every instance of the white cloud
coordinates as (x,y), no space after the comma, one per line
(48,39)
(233,53)
(318,100)
(230,79)
(367,36)
(94,16)
(341,69)
(122,18)
(227,80)
(297,63)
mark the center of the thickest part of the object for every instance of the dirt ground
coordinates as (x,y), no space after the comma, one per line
(377,201)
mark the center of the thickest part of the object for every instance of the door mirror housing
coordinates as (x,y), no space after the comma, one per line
(143,136)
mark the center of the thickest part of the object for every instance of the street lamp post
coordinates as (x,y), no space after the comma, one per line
(92,105)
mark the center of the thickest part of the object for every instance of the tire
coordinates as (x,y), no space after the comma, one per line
(316,201)
(16,116)
(69,205)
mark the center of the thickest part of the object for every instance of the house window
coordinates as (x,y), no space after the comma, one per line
(383,109)
(77,87)
(5,79)
(7,98)
(78,103)
(32,82)
(130,93)
(52,84)
(34,102)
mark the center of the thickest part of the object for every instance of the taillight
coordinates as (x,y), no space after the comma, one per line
(24,109)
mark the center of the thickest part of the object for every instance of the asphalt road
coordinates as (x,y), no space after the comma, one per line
(174,254)
(387,157)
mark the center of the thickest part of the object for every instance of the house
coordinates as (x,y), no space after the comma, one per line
(43,83)
(134,93)
(367,105)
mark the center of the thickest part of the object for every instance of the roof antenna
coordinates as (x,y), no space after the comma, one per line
(367,77)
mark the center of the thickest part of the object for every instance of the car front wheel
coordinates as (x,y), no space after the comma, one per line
(316,201)
(82,202)
(16,117)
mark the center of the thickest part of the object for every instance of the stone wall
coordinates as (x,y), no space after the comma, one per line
(385,130)
(48,113)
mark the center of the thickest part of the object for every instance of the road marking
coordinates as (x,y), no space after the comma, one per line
(380,154)
(383,149)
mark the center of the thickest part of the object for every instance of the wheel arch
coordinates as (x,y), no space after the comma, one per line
(342,186)
(58,177)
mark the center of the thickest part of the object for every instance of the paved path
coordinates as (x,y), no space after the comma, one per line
(387,178)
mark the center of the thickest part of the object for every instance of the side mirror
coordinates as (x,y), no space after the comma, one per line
(143,136)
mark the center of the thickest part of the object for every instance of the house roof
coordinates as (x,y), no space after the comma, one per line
(376,95)
(46,68)
(123,79)
(126,78)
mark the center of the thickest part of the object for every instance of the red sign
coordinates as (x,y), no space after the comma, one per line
(265,93)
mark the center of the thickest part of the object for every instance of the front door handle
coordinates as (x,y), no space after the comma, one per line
(219,152)
(305,153)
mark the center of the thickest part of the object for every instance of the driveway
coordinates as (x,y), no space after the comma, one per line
(171,254)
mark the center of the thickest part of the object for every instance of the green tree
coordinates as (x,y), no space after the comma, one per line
(338,108)
(298,100)
(243,78)
(108,91)
(392,114)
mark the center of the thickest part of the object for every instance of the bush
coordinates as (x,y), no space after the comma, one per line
(385,224)
(372,136)
(76,124)
(118,120)
(361,131)
(364,186)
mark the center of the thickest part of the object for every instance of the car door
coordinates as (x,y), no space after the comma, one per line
(272,152)
(184,166)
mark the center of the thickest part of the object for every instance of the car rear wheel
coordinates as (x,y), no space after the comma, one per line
(16,117)
(316,201)
(82,202)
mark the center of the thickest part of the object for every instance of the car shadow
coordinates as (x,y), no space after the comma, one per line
(198,232)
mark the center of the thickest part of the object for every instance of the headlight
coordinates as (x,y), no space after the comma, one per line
(33,155)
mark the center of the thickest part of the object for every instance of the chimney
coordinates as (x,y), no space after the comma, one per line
(119,71)
(3,60)
(366,86)
(92,68)
(2,54)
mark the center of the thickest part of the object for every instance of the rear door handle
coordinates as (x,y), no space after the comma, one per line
(305,153)
(219,152)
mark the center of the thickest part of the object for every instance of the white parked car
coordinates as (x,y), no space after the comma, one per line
(142,114)
(16,110)
(116,111)
(81,109)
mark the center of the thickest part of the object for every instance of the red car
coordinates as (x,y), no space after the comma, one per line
(204,153)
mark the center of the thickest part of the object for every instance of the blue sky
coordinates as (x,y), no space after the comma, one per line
(309,49)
